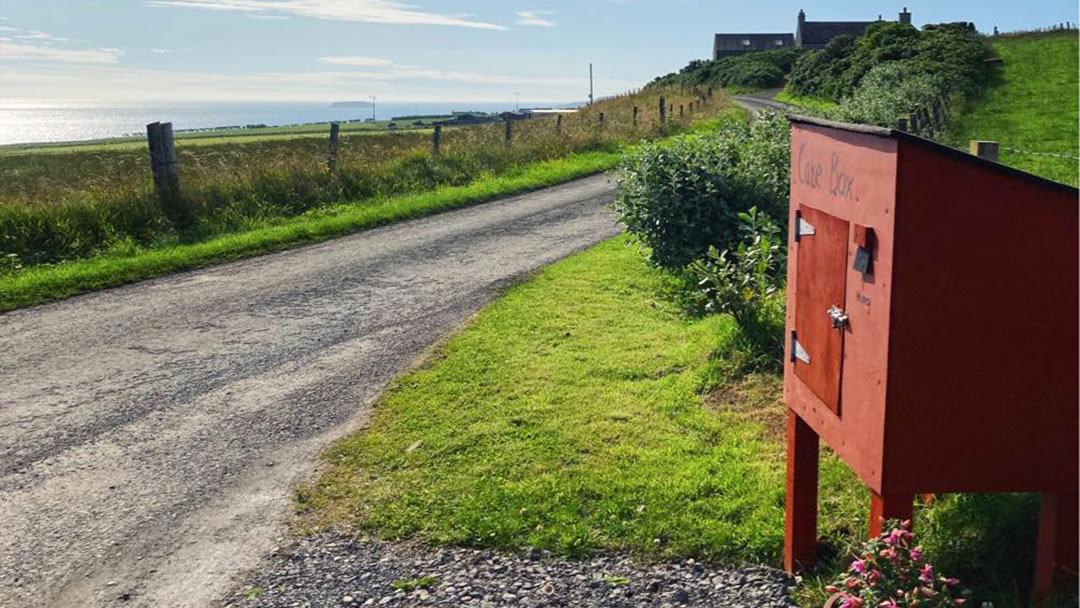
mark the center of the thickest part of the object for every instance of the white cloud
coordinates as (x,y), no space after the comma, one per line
(358,61)
(535,18)
(18,50)
(371,11)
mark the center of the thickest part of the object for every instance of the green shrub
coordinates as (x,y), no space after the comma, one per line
(747,282)
(682,197)
(950,55)
(889,91)
(760,70)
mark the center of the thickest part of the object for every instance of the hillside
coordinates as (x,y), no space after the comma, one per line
(1031,106)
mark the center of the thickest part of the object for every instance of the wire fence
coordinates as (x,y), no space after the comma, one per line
(1047,154)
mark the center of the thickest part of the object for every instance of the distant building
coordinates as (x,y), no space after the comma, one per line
(818,34)
(808,35)
(725,45)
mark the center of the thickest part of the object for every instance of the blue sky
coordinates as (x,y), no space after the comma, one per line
(413,50)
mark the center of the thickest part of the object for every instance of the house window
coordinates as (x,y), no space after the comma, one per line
(746,42)
(779,42)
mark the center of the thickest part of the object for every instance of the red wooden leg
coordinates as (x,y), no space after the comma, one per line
(886,507)
(800,531)
(1057,543)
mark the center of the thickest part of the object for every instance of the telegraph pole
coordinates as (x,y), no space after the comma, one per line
(372,108)
(590,85)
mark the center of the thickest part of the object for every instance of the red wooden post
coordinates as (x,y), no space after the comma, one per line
(1057,544)
(889,506)
(800,530)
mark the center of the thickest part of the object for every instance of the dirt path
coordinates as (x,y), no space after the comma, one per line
(150,435)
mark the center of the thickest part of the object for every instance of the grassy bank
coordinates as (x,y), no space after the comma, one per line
(1031,106)
(43,283)
(584,412)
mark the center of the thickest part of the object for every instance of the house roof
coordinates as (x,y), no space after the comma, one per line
(752,42)
(822,32)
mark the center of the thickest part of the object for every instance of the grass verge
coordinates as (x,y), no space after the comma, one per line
(570,416)
(1032,106)
(811,103)
(43,283)
(583,411)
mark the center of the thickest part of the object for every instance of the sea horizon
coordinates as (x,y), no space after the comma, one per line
(48,121)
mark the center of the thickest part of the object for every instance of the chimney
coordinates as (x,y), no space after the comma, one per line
(905,17)
(802,17)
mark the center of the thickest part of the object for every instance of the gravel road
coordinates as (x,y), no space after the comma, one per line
(150,435)
(334,569)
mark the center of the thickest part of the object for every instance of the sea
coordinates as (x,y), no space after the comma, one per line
(26,122)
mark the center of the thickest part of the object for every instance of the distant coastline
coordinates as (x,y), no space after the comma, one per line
(351,104)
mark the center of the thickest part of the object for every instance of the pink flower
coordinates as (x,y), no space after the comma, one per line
(916,554)
(858,566)
(889,603)
(960,602)
(852,602)
(926,574)
(894,536)
(951,582)
(832,588)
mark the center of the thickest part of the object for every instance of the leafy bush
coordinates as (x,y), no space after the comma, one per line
(889,91)
(950,55)
(682,197)
(760,70)
(821,73)
(747,283)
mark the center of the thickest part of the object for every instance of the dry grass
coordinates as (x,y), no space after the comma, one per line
(63,206)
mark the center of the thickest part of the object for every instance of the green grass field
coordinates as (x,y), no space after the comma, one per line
(1032,106)
(583,411)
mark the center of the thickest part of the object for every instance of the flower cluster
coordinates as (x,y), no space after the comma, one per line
(891,572)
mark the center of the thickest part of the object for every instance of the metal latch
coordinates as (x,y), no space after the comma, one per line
(798,353)
(803,228)
(838,317)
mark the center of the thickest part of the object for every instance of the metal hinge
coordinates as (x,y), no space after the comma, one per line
(803,228)
(798,353)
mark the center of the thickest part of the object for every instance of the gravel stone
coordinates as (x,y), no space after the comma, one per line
(320,570)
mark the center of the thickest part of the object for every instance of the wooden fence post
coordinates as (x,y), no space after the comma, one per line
(681,112)
(436,140)
(601,120)
(335,142)
(663,112)
(509,135)
(984,149)
(939,115)
(635,116)
(902,123)
(924,121)
(166,172)
(558,125)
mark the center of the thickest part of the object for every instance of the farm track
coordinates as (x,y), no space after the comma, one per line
(150,435)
